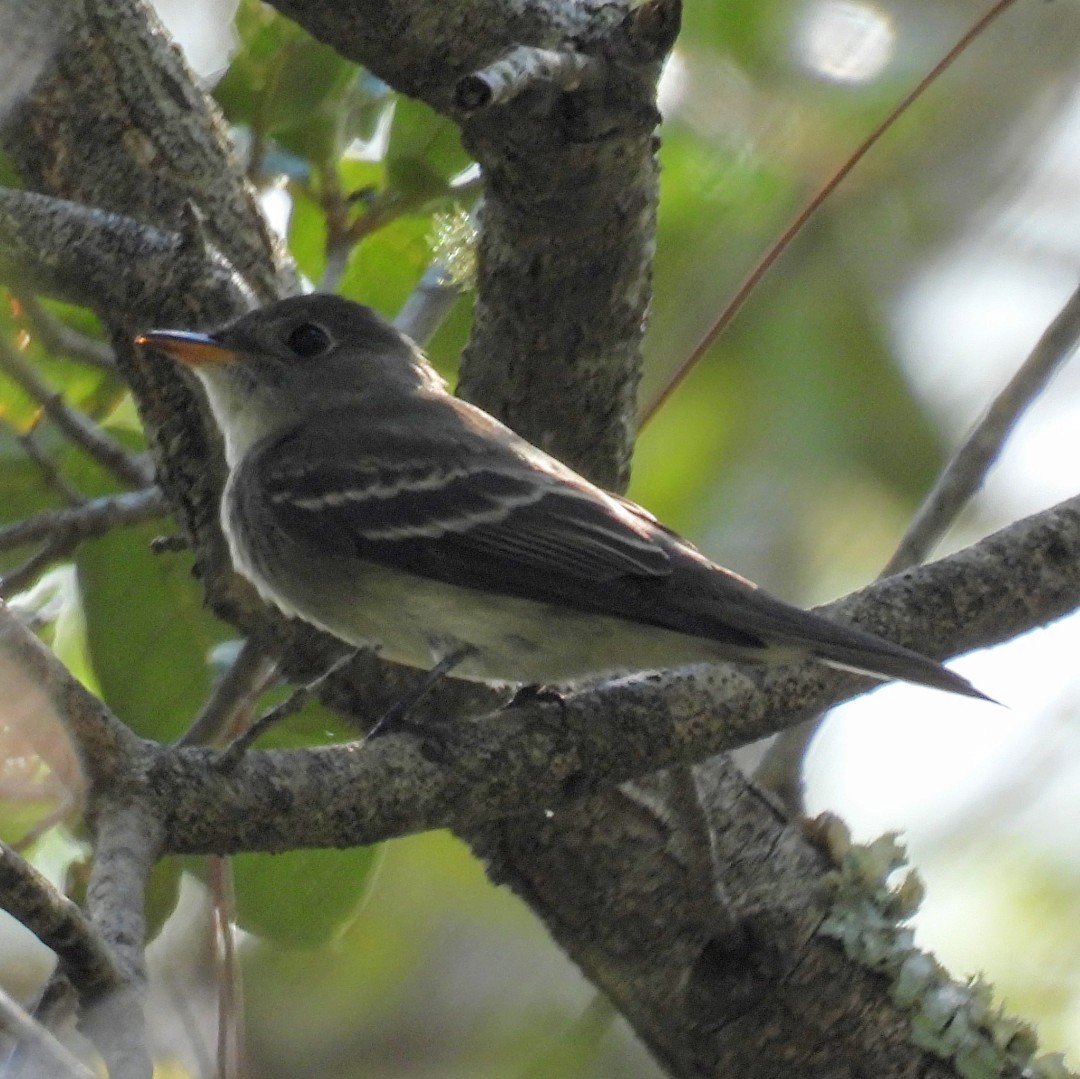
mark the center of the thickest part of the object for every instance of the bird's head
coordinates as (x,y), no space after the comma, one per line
(277,365)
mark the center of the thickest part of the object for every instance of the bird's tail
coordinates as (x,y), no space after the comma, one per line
(799,633)
(898,662)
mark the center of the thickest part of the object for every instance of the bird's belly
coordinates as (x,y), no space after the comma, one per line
(416,621)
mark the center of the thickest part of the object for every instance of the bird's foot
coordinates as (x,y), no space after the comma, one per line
(534,693)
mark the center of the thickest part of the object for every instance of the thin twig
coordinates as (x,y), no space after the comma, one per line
(237,689)
(60,338)
(427,306)
(62,530)
(88,520)
(337,261)
(50,471)
(230,1044)
(133,469)
(781,767)
(27,571)
(750,282)
(37,1044)
(229,758)
(965,473)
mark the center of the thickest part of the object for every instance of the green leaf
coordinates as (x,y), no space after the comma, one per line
(149,634)
(307,233)
(262,36)
(424,152)
(307,74)
(302,898)
(384,269)
(162,893)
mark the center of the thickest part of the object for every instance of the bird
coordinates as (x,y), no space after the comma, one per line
(365,499)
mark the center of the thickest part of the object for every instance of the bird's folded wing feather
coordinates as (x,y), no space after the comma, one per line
(454,507)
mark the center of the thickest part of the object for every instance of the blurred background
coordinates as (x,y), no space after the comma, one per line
(795,453)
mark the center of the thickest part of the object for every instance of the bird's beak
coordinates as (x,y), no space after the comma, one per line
(194,349)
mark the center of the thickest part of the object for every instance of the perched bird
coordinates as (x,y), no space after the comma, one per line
(365,499)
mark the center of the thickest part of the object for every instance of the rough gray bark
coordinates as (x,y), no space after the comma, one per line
(694,908)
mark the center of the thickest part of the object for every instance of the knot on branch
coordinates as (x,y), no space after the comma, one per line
(521,68)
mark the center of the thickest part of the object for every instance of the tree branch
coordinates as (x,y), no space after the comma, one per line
(59,338)
(550,755)
(58,924)
(106,746)
(115,264)
(569,200)
(127,843)
(90,437)
(781,768)
(965,473)
(62,530)
(41,1049)
(87,520)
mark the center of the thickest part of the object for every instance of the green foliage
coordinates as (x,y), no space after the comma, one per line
(290,88)
(302,899)
(150,636)
(424,152)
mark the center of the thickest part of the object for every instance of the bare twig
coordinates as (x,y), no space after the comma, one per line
(93,518)
(292,704)
(237,689)
(428,305)
(27,571)
(230,1041)
(134,469)
(62,530)
(781,767)
(60,338)
(965,473)
(58,923)
(36,1043)
(50,472)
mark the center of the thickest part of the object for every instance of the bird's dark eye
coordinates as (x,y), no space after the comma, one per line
(308,340)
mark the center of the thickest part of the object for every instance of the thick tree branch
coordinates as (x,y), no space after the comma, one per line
(116,265)
(569,201)
(127,839)
(549,755)
(116,122)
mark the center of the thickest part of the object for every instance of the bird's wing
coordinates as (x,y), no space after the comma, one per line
(451,504)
